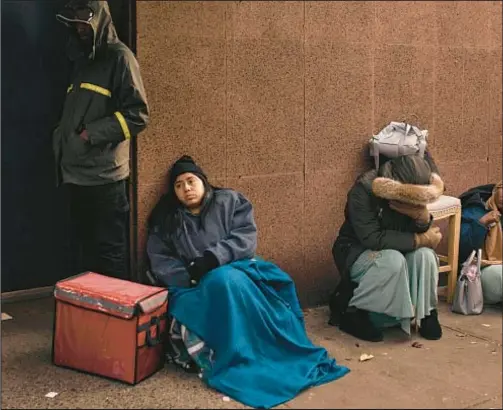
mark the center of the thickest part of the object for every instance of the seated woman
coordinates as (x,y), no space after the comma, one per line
(236,316)
(481,222)
(384,251)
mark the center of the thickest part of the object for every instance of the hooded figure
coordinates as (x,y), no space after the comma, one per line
(236,318)
(384,251)
(481,228)
(105,107)
(105,104)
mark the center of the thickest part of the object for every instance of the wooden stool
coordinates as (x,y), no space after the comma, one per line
(449,207)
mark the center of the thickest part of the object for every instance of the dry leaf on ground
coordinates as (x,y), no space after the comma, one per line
(364,357)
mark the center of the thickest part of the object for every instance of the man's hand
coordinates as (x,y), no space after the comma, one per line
(490,218)
(84,135)
(418,212)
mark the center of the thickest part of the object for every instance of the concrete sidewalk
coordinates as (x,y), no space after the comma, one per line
(462,370)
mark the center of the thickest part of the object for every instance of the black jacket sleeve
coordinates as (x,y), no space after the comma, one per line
(364,217)
(418,227)
(131,115)
(409,224)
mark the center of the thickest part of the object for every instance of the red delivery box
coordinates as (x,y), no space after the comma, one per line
(109,327)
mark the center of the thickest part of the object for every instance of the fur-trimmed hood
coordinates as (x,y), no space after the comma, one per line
(409,193)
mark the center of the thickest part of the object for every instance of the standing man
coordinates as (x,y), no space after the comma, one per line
(105,107)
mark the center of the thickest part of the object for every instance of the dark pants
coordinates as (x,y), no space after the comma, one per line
(99,228)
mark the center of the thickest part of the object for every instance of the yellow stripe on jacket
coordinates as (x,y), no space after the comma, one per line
(96,89)
(123,123)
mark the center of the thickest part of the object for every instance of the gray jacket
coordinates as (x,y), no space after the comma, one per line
(228,231)
(106,96)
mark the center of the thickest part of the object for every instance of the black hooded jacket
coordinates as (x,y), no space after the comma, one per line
(106,96)
(477,196)
(473,207)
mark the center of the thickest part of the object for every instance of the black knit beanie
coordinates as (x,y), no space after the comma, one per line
(185,164)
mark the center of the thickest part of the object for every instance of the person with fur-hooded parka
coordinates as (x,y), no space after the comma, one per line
(385,251)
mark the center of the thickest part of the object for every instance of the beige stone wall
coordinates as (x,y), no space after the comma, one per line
(278,99)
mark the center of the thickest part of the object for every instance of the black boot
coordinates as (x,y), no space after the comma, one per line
(357,323)
(191,367)
(430,327)
(169,357)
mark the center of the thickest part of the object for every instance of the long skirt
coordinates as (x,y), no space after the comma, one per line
(396,287)
(492,284)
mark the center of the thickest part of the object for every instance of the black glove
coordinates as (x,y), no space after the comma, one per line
(202,265)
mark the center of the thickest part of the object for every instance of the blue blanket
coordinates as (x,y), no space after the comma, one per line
(248,313)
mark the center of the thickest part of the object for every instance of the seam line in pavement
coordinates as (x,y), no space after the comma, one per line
(478,403)
(472,335)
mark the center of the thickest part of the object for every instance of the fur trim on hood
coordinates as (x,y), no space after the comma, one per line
(409,193)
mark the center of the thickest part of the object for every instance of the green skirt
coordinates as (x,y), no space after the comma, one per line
(396,287)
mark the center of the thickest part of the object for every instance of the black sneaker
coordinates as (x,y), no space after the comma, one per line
(191,367)
(357,323)
(430,327)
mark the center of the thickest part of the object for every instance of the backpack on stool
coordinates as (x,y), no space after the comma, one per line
(397,139)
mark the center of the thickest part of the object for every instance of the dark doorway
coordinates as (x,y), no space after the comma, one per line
(35,75)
